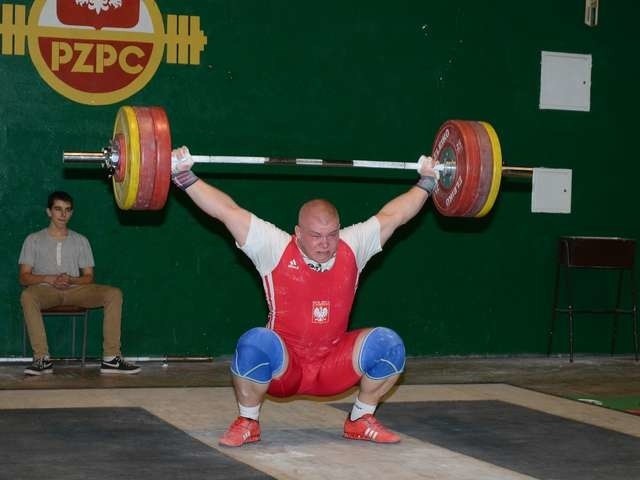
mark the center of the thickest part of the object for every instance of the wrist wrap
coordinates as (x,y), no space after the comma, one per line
(184,180)
(428,184)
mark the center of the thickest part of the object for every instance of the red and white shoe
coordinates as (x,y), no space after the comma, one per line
(368,428)
(242,430)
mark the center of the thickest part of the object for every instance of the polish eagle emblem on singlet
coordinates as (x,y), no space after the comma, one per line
(320,311)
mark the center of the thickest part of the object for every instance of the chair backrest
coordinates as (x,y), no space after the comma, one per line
(597,252)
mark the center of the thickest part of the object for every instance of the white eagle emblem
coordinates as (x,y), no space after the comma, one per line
(99,5)
(320,311)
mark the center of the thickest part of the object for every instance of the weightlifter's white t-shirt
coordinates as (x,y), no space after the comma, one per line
(265,244)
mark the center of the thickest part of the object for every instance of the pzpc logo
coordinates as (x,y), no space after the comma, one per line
(99,52)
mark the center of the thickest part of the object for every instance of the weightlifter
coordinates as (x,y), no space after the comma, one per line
(310,281)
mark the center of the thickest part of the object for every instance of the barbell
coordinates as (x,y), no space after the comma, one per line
(138,159)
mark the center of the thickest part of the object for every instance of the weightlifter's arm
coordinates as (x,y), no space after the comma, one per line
(404,207)
(212,201)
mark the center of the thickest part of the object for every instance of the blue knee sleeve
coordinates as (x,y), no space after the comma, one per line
(259,355)
(382,354)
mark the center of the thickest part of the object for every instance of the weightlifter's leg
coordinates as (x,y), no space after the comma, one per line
(260,357)
(379,355)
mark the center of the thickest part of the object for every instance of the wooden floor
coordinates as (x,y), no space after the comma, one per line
(196,398)
(554,375)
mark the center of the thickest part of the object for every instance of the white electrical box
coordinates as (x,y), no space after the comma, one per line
(565,81)
(551,190)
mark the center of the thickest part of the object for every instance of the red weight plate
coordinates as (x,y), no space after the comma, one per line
(469,186)
(486,169)
(163,158)
(148,153)
(447,147)
(454,149)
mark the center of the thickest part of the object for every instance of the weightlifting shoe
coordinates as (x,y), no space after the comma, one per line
(242,430)
(370,429)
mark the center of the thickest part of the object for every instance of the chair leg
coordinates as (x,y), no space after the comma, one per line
(635,331)
(570,335)
(553,313)
(634,301)
(84,338)
(614,333)
(570,311)
(73,337)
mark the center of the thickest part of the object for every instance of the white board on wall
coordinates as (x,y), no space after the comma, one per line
(565,81)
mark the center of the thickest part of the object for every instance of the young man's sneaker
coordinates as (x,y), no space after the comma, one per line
(119,366)
(39,366)
(368,428)
(242,430)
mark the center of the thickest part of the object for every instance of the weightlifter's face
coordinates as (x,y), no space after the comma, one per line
(318,236)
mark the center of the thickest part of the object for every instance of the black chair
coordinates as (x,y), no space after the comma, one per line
(608,253)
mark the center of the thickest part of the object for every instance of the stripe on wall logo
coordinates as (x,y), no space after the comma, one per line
(99,52)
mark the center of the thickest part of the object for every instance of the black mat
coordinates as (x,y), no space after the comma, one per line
(109,444)
(517,438)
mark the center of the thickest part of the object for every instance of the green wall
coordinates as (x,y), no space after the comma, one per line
(370,80)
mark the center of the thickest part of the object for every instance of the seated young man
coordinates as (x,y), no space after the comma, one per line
(56,268)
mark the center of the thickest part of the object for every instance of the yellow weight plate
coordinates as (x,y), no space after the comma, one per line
(148,155)
(126,190)
(497,170)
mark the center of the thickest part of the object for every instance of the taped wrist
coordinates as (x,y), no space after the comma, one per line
(428,184)
(184,180)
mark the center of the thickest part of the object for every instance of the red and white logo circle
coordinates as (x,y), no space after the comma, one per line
(99,52)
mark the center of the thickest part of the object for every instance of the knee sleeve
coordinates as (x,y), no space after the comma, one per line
(259,355)
(382,354)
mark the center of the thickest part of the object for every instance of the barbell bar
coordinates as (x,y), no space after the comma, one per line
(106,157)
(138,159)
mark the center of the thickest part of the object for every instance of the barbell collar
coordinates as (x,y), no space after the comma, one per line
(83,157)
(108,158)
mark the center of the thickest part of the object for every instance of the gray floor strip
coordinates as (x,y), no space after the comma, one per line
(517,438)
(106,444)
